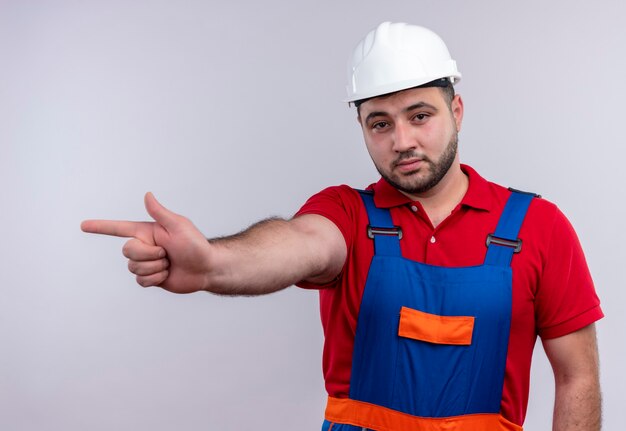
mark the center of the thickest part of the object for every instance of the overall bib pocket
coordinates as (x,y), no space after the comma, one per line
(433,328)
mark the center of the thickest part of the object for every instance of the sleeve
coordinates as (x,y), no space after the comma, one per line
(566,300)
(338,205)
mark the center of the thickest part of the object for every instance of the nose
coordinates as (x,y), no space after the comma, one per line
(403,139)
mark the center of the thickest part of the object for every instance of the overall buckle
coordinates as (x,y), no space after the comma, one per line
(516,245)
(389,231)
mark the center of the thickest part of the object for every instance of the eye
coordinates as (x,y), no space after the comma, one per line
(380,125)
(421,117)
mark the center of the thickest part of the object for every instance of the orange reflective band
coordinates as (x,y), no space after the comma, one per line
(437,329)
(361,414)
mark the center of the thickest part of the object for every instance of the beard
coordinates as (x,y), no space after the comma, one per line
(435,170)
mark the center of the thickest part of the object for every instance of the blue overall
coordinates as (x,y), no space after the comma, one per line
(422,377)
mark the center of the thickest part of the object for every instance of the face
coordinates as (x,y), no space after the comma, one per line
(411,136)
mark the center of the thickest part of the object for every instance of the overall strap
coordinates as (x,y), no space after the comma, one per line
(381,229)
(504,242)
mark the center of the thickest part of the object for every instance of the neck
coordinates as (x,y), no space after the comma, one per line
(439,201)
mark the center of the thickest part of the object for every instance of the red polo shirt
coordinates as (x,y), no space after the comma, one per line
(553,293)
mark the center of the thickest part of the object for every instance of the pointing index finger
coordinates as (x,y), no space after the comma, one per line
(125,229)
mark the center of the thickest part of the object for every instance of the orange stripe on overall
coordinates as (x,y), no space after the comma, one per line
(379,418)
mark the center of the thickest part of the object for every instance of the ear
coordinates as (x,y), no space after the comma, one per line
(457,111)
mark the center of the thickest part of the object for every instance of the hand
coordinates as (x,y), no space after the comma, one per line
(170,252)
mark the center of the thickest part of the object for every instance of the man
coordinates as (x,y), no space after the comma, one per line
(434,283)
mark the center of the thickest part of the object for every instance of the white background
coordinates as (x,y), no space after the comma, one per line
(230,112)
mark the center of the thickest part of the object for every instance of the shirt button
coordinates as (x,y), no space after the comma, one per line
(413,208)
(433,240)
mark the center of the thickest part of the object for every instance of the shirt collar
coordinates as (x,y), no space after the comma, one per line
(478,194)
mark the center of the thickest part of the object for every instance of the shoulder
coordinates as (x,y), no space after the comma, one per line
(341,198)
(340,204)
(543,224)
(541,212)
(545,216)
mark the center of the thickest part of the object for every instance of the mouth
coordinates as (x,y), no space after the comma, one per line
(409,165)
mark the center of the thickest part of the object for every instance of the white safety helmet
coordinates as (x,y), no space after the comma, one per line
(397,56)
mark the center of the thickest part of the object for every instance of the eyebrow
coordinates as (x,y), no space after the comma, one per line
(418,105)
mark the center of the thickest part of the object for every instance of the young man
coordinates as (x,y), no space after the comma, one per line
(434,283)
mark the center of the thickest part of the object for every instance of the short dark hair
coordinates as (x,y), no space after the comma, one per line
(448,93)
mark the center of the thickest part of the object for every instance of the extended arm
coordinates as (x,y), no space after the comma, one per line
(574,360)
(274,254)
(271,255)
